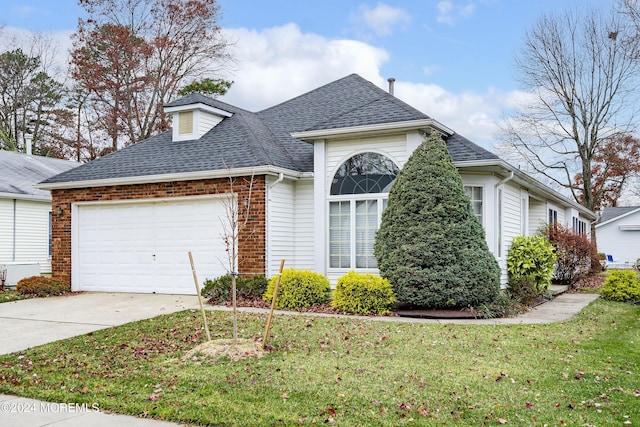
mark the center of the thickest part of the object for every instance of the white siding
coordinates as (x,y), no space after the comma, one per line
(304,242)
(623,245)
(31,232)
(6,230)
(537,215)
(280,230)
(511,222)
(206,122)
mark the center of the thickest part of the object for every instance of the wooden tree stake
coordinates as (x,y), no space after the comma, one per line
(273,305)
(195,280)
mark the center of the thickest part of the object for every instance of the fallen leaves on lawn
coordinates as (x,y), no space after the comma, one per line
(243,349)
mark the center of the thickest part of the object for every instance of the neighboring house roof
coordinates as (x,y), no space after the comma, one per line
(20,172)
(615,213)
(252,140)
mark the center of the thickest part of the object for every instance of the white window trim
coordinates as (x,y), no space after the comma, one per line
(352,199)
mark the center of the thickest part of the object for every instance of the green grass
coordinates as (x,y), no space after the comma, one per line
(352,372)
(9,295)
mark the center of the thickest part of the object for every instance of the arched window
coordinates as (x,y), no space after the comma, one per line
(358,195)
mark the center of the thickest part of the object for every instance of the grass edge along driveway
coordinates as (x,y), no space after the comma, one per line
(350,371)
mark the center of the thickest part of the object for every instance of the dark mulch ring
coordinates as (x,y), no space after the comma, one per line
(258,302)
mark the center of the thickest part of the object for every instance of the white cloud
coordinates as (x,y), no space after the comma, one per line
(449,12)
(279,63)
(383,19)
(474,115)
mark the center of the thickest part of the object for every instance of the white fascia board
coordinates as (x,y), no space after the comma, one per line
(31,197)
(372,129)
(198,106)
(619,217)
(531,182)
(186,176)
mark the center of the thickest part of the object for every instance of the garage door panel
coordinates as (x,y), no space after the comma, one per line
(143,247)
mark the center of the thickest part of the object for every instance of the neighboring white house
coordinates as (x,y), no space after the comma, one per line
(25,213)
(618,235)
(322,164)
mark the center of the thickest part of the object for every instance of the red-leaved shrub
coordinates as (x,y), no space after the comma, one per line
(576,254)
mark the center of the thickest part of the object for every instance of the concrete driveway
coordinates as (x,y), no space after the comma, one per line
(32,322)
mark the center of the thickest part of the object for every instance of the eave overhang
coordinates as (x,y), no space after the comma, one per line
(185,176)
(371,130)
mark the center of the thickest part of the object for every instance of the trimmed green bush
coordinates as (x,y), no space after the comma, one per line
(299,289)
(430,246)
(621,285)
(41,286)
(363,294)
(219,289)
(530,266)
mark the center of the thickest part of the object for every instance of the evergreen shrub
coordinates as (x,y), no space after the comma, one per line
(219,289)
(621,285)
(299,289)
(363,294)
(41,286)
(430,246)
(530,266)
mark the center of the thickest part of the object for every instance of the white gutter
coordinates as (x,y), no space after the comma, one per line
(377,129)
(504,181)
(540,187)
(185,176)
(32,197)
(277,181)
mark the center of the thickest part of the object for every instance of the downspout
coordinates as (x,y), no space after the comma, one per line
(269,222)
(498,216)
(13,257)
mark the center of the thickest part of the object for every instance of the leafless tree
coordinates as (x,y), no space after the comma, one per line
(237,214)
(581,69)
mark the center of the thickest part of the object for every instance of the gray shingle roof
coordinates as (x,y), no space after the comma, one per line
(248,139)
(610,213)
(20,172)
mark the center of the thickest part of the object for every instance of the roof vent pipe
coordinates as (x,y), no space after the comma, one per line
(27,143)
(391,80)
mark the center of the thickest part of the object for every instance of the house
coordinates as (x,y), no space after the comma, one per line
(618,235)
(25,213)
(320,165)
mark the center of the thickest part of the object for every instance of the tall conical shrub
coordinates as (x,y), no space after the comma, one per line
(430,246)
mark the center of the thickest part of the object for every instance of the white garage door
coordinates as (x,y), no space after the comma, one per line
(143,247)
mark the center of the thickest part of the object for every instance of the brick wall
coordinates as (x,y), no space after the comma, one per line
(251,240)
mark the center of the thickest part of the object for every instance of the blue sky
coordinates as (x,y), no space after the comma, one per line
(452,59)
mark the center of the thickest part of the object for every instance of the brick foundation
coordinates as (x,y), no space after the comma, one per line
(251,240)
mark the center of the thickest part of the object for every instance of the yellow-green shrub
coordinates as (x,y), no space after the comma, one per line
(41,286)
(299,289)
(363,294)
(621,285)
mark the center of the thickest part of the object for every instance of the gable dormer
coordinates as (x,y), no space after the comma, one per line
(193,119)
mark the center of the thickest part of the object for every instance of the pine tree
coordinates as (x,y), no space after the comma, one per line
(430,246)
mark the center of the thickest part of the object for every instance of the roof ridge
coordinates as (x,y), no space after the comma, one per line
(319,88)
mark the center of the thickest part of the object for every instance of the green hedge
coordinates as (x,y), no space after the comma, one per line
(530,266)
(219,289)
(363,294)
(299,289)
(621,285)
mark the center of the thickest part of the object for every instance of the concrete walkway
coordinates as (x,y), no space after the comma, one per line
(33,322)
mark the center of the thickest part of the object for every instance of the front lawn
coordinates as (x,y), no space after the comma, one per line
(351,372)
(9,295)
